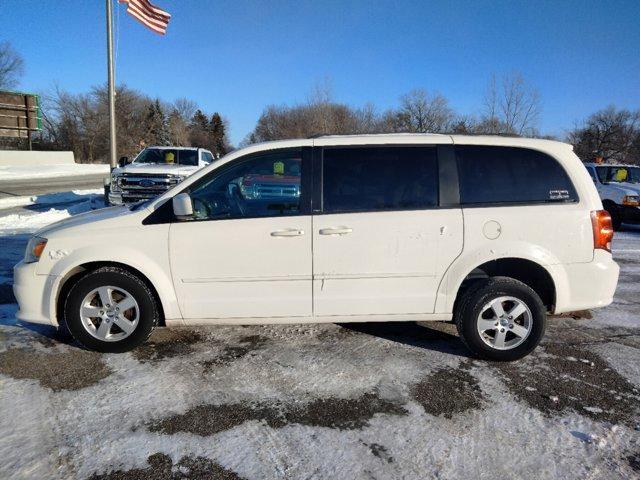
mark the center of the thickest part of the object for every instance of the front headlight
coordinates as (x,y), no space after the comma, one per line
(115,183)
(35,247)
(631,200)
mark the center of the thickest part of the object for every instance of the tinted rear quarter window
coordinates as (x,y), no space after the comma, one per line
(490,175)
(358,179)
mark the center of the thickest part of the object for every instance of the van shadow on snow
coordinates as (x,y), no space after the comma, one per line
(436,336)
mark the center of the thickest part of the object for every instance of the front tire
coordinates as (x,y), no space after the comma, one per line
(110,310)
(500,319)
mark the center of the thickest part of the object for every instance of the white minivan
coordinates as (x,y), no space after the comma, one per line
(490,232)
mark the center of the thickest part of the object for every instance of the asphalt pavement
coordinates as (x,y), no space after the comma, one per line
(40,186)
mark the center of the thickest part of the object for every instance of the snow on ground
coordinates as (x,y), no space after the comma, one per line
(66,204)
(624,310)
(49,198)
(25,172)
(320,401)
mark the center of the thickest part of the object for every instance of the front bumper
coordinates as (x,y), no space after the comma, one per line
(131,197)
(31,291)
(115,198)
(587,285)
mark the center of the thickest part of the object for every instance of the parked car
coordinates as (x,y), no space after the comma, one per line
(492,233)
(619,189)
(154,171)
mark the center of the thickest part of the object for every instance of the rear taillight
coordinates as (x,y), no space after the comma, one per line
(602,230)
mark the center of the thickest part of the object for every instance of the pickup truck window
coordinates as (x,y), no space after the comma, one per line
(264,186)
(379,178)
(619,174)
(505,175)
(168,156)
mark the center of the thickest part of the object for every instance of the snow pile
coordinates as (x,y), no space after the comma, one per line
(50,198)
(25,172)
(29,222)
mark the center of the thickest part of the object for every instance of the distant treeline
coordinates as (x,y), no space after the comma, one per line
(510,106)
(79,122)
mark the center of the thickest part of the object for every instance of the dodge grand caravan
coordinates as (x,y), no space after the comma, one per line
(491,233)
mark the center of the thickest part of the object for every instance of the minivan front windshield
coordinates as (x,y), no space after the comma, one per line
(624,174)
(168,156)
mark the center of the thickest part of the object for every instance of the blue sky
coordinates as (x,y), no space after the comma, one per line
(238,56)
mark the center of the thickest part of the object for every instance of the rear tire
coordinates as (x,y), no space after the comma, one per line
(110,310)
(500,319)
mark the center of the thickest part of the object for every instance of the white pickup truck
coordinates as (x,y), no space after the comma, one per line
(619,189)
(154,171)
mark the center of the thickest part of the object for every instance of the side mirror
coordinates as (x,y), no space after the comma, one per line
(123,161)
(182,206)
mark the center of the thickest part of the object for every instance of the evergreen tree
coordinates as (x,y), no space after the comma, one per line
(157,125)
(218,135)
(199,134)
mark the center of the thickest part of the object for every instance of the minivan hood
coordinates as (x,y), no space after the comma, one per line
(85,219)
(156,168)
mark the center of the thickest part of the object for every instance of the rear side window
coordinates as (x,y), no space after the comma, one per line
(379,178)
(511,175)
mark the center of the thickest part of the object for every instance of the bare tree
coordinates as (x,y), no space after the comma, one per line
(185,108)
(180,114)
(320,115)
(423,113)
(464,125)
(367,119)
(11,66)
(511,106)
(178,129)
(609,134)
(80,122)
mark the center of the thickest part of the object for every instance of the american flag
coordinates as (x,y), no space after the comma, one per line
(148,14)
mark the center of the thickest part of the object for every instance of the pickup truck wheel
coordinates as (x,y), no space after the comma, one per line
(500,319)
(110,310)
(616,221)
(613,211)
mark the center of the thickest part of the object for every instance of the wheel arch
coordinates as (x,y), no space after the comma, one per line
(526,271)
(71,275)
(534,267)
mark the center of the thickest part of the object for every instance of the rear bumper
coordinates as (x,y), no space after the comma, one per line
(587,285)
(30,291)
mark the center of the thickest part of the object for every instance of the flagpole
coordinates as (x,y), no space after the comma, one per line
(112,90)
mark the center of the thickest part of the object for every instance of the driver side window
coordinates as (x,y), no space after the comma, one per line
(265,185)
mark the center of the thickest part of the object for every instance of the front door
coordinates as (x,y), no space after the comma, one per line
(382,243)
(247,251)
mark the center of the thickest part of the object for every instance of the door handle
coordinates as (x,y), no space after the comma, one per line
(335,231)
(289,232)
